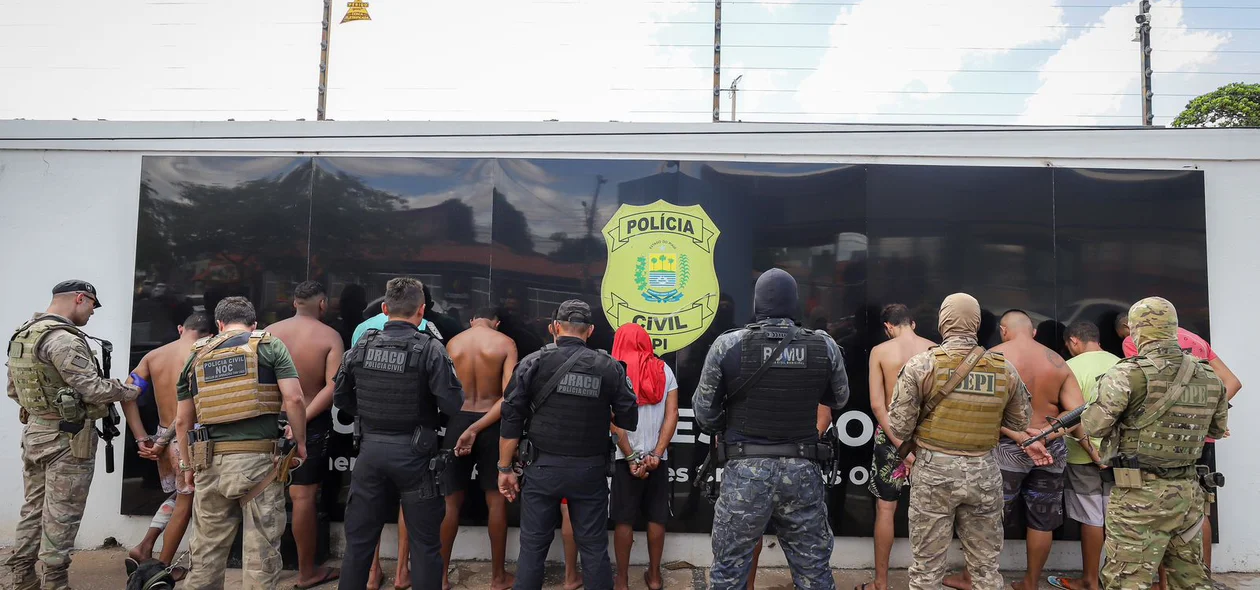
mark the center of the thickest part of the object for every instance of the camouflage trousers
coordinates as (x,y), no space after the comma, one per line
(788,492)
(56,489)
(1160,522)
(217,512)
(948,491)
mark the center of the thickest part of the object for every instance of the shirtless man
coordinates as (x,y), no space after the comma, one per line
(484,359)
(1034,475)
(161,368)
(316,349)
(888,475)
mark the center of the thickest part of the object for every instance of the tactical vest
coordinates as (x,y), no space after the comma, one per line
(783,405)
(225,371)
(1174,438)
(390,387)
(574,419)
(36,381)
(970,418)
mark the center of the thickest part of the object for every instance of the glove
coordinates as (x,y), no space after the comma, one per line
(140,382)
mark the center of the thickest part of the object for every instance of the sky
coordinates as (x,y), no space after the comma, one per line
(1052,62)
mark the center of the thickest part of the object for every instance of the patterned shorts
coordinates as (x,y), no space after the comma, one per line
(888,474)
(168,465)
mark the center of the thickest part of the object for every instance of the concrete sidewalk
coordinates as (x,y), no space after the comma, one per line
(102,569)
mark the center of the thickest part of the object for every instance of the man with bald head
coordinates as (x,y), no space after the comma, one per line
(1034,477)
(950,403)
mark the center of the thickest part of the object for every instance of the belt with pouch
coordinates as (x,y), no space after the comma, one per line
(70,428)
(804,450)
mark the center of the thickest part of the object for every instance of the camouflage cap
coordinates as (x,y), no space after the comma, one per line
(1152,320)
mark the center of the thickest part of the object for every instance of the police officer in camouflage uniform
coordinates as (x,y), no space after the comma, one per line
(57,380)
(953,474)
(566,393)
(394,381)
(1153,413)
(761,386)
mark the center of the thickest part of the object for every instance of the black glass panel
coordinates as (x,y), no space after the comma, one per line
(1127,234)
(378,218)
(210,228)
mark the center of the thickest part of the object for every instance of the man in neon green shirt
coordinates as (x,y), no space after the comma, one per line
(1085,498)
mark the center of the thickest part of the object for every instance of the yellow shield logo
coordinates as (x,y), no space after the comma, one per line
(660,272)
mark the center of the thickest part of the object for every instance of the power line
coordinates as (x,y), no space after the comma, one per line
(937,70)
(758,46)
(856,91)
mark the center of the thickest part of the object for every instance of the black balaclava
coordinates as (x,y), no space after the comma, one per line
(775,295)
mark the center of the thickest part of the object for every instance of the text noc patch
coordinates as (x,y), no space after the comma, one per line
(225,368)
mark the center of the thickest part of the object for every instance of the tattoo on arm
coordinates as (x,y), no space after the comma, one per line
(1055,359)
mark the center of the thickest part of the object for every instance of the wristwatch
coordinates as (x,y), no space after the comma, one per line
(504,470)
(184,466)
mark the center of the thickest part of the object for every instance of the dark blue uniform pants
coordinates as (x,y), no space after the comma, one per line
(586,489)
(389,471)
(787,492)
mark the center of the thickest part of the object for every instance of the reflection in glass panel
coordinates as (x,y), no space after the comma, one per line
(373,219)
(1127,234)
(936,230)
(210,228)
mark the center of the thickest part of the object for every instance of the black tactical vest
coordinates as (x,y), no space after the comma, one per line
(783,405)
(390,387)
(574,419)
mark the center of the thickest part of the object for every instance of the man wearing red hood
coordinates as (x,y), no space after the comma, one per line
(640,484)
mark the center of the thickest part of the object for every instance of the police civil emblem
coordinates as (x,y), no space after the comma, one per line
(660,272)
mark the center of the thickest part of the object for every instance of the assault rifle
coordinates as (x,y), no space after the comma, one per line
(109,424)
(1068,421)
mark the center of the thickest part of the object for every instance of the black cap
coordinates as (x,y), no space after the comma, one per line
(77,286)
(574,310)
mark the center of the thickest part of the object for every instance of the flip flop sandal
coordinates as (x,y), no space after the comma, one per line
(330,574)
(649,585)
(1061,583)
(865,585)
(132,565)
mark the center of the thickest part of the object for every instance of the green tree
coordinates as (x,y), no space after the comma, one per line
(1231,105)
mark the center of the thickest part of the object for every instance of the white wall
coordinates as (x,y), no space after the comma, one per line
(68,208)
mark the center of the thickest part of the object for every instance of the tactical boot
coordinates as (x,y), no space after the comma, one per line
(25,580)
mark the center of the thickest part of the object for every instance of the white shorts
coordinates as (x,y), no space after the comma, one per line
(1085,495)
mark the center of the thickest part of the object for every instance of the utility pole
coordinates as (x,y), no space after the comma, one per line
(717,60)
(321,109)
(1143,37)
(734,91)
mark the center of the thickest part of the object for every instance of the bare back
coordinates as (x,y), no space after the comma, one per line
(311,343)
(889,357)
(483,359)
(1044,373)
(163,365)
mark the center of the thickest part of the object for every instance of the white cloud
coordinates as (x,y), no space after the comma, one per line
(873,48)
(501,59)
(1107,48)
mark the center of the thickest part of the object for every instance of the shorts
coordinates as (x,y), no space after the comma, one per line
(1086,494)
(1041,488)
(632,497)
(168,466)
(484,456)
(888,475)
(312,471)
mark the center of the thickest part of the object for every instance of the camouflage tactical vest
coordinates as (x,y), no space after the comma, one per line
(36,381)
(226,377)
(970,417)
(1174,437)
